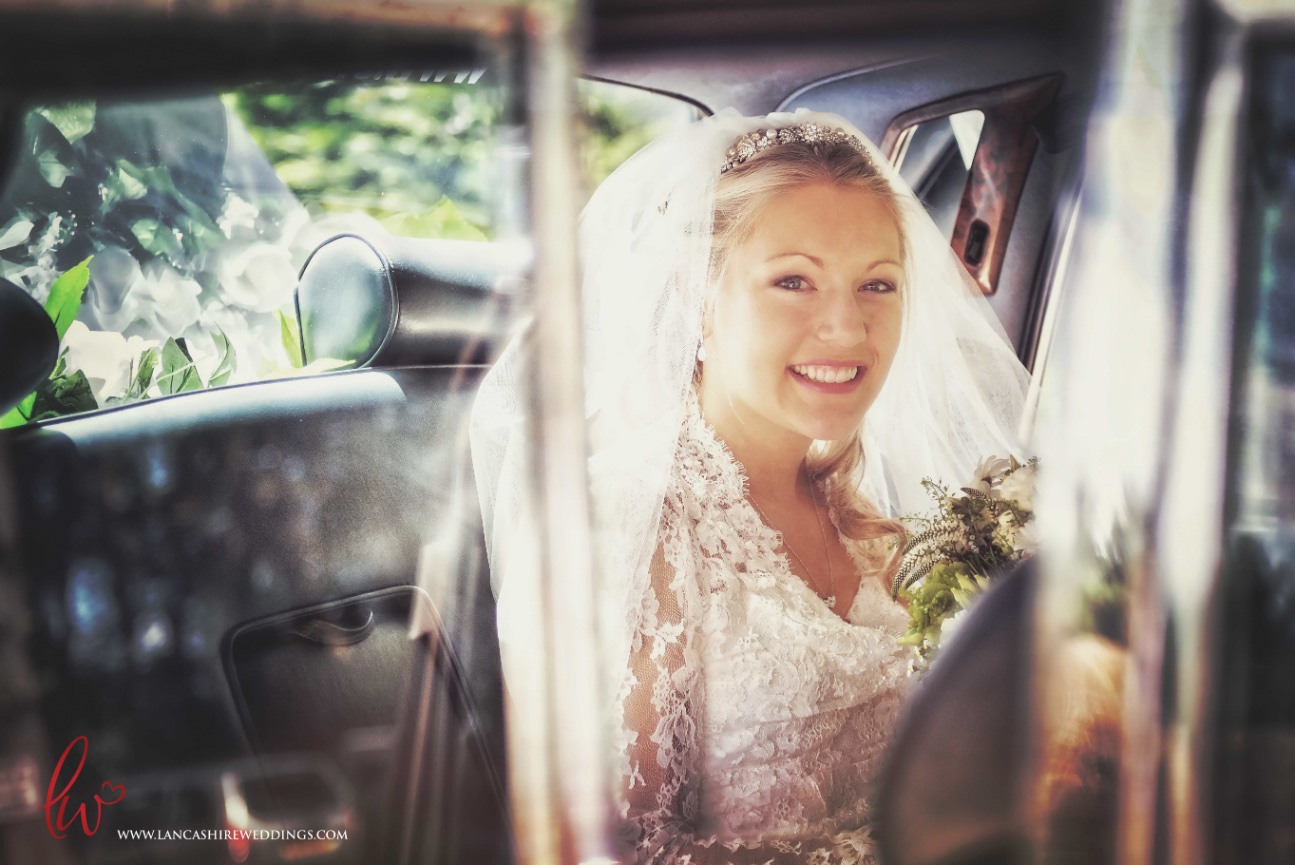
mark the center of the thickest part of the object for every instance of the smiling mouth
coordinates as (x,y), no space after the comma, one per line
(826,374)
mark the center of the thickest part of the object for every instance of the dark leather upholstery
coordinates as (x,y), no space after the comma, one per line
(28,345)
(948,795)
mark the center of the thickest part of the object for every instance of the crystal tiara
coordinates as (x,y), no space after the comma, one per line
(761,139)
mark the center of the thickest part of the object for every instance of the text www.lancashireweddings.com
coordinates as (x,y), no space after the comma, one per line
(231,834)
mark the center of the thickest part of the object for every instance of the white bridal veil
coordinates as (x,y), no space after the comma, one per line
(954,394)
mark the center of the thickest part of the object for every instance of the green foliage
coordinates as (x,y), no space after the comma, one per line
(972,527)
(19,414)
(65,297)
(149,179)
(934,599)
(228,364)
(442,220)
(73,119)
(620,120)
(64,393)
(179,374)
(90,177)
(956,553)
(60,390)
(290,335)
(396,150)
(142,377)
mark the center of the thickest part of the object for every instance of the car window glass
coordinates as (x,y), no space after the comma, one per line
(220,583)
(178,226)
(175,228)
(618,120)
(935,159)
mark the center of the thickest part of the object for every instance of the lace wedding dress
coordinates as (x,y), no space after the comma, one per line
(755,718)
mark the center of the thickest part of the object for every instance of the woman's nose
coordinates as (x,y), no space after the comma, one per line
(842,319)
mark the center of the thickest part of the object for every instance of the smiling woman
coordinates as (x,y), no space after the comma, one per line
(780,347)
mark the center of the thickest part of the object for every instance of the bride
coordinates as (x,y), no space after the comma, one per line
(779,347)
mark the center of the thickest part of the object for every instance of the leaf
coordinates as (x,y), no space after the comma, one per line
(15,232)
(69,394)
(52,168)
(19,414)
(65,296)
(228,360)
(197,236)
(157,238)
(178,374)
(126,184)
(73,119)
(144,373)
(158,178)
(291,338)
(445,220)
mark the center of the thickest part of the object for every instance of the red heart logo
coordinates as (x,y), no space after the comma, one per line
(110,787)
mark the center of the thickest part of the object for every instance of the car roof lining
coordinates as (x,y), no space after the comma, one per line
(741,75)
(637,24)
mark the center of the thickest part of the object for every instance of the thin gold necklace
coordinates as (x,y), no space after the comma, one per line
(830,599)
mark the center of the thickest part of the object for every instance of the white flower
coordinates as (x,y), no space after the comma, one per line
(988,473)
(1006,534)
(238,218)
(38,273)
(107,358)
(166,301)
(258,276)
(1027,539)
(154,301)
(113,274)
(1019,487)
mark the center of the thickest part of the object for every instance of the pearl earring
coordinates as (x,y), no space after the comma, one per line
(701,354)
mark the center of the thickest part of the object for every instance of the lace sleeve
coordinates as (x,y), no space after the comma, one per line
(661,758)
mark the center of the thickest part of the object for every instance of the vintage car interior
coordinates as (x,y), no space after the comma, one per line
(276,591)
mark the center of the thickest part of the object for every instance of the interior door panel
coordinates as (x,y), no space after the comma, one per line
(230,573)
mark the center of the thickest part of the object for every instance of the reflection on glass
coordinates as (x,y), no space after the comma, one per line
(178,226)
(232,575)
(935,158)
(619,120)
(1258,712)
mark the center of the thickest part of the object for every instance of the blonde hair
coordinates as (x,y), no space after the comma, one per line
(741,192)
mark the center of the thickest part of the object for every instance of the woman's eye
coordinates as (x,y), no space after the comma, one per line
(880,286)
(792,283)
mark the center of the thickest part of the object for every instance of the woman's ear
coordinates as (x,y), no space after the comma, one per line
(708,316)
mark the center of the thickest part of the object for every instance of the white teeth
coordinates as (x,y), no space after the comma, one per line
(827,374)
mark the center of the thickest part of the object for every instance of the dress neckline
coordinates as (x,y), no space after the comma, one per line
(732,474)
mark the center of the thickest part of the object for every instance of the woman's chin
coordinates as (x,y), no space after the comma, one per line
(831,429)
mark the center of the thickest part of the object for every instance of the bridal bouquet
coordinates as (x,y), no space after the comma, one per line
(951,558)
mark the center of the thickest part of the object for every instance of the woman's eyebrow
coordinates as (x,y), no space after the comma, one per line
(819,261)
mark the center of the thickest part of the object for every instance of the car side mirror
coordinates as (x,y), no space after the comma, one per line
(28,345)
(397,301)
